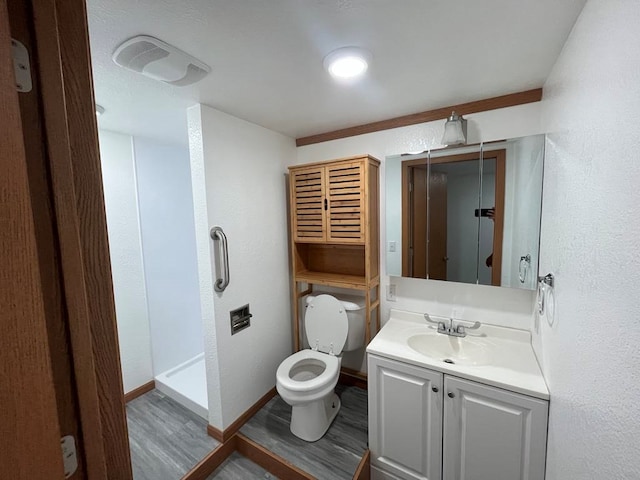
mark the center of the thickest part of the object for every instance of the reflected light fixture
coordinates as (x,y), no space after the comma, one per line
(455,130)
(416,152)
(347,63)
(99,110)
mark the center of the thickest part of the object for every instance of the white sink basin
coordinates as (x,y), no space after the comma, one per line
(454,350)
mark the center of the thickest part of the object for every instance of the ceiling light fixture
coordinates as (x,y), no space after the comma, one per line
(455,130)
(347,62)
(99,110)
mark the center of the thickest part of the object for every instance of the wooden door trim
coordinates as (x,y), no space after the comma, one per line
(268,460)
(30,433)
(64,69)
(498,220)
(406,224)
(46,237)
(363,472)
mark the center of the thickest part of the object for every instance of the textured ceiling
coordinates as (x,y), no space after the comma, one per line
(266,58)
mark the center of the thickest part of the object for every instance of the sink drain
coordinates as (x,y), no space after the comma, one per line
(448,360)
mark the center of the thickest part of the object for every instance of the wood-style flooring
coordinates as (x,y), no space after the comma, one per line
(166,439)
(335,456)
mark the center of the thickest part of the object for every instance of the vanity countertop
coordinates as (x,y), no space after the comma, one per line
(512,364)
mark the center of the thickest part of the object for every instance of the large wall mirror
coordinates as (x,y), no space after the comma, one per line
(468,214)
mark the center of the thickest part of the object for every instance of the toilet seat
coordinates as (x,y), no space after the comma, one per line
(331,371)
(326,324)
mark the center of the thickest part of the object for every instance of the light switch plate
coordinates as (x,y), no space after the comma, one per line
(391,292)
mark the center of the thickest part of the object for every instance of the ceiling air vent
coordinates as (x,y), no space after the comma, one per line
(160,61)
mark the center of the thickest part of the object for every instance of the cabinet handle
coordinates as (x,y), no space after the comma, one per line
(326,204)
(435,389)
(451,394)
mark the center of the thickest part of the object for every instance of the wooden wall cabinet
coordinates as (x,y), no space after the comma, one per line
(335,231)
(426,425)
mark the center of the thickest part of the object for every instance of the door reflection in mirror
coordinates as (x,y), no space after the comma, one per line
(446,207)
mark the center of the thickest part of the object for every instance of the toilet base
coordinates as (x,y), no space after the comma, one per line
(310,421)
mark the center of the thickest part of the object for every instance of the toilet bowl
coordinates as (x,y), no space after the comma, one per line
(306,380)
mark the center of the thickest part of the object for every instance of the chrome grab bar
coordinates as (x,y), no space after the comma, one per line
(217,234)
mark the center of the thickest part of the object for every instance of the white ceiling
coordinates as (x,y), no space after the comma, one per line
(266,58)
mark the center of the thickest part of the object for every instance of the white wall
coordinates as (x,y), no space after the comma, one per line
(120,192)
(204,258)
(168,242)
(238,183)
(590,241)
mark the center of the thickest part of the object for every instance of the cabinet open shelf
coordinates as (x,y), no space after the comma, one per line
(355,282)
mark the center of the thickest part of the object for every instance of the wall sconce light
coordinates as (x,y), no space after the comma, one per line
(455,130)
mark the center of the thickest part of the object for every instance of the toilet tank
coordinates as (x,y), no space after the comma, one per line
(354,305)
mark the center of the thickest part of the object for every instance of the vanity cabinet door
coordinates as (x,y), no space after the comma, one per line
(492,434)
(405,420)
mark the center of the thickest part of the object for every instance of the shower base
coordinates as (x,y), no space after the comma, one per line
(187,385)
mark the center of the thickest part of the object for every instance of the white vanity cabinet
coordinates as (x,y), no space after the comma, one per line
(405,420)
(428,425)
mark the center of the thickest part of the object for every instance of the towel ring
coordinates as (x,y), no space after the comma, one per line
(523,268)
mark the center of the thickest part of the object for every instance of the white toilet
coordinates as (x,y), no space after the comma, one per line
(306,379)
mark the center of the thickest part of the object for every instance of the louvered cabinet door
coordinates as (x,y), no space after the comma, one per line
(345,193)
(308,200)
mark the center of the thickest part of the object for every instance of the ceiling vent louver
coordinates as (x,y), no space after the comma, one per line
(160,61)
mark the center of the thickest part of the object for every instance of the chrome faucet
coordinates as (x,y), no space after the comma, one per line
(450,328)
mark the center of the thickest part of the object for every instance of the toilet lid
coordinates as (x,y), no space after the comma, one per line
(326,324)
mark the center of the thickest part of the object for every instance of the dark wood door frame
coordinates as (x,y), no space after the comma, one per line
(29,433)
(498,221)
(498,230)
(407,177)
(66,184)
